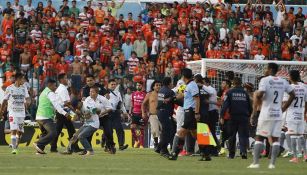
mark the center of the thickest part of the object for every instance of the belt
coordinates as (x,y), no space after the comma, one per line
(189,110)
(152,114)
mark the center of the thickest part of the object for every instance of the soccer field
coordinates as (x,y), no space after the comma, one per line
(133,161)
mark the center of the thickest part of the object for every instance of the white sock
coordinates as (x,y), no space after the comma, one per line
(14,141)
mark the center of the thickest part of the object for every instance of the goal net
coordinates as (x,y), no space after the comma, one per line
(249,70)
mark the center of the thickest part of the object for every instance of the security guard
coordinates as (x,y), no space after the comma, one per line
(204,114)
(191,106)
(240,108)
(165,112)
(116,101)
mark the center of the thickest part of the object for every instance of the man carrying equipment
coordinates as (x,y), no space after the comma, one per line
(191,107)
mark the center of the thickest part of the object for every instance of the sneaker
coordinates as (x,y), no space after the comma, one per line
(222,151)
(183,153)
(136,144)
(14,151)
(83,153)
(299,155)
(165,155)
(112,150)
(141,147)
(67,152)
(287,154)
(253,166)
(38,149)
(87,153)
(271,166)
(123,147)
(205,158)
(294,160)
(173,156)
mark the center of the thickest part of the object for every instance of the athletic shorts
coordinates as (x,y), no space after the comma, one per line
(179,118)
(305,132)
(189,121)
(268,128)
(16,123)
(296,127)
(137,120)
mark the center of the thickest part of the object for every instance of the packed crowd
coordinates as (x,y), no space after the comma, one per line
(46,41)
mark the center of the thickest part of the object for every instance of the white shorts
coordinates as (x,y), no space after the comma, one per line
(16,123)
(296,127)
(305,132)
(179,118)
(268,128)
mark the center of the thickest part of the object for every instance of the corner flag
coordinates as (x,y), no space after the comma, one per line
(204,136)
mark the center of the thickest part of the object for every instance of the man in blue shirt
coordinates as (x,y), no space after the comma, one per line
(238,103)
(191,106)
(165,111)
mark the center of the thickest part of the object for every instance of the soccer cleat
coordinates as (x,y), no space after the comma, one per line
(263,153)
(253,166)
(112,150)
(87,153)
(14,151)
(173,156)
(287,154)
(183,153)
(222,151)
(271,166)
(294,160)
(38,149)
(136,144)
(123,147)
(305,158)
(141,147)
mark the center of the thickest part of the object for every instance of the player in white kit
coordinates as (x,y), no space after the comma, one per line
(16,99)
(270,94)
(295,116)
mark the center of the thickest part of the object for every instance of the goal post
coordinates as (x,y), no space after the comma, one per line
(249,70)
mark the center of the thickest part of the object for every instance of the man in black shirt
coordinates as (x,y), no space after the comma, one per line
(90,82)
(238,103)
(8,10)
(165,111)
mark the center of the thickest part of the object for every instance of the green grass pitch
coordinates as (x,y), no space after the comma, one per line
(133,162)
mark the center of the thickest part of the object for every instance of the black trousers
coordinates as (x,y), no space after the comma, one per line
(60,122)
(167,130)
(239,126)
(116,124)
(225,132)
(105,122)
(212,122)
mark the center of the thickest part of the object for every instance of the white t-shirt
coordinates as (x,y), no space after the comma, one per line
(223,33)
(100,103)
(212,98)
(248,39)
(295,112)
(63,94)
(155,44)
(16,97)
(259,57)
(273,88)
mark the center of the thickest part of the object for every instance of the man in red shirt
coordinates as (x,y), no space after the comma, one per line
(137,99)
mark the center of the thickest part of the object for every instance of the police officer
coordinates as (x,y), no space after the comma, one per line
(191,106)
(165,112)
(116,101)
(238,102)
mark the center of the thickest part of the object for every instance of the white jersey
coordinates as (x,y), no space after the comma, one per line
(16,97)
(100,103)
(295,112)
(273,88)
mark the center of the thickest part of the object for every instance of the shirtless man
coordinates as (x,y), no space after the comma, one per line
(150,102)
(25,60)
(76,78)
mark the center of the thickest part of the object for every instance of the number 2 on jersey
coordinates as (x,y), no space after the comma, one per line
(276,97)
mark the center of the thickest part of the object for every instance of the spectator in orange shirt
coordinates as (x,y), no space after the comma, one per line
(99,15)
(130,35)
